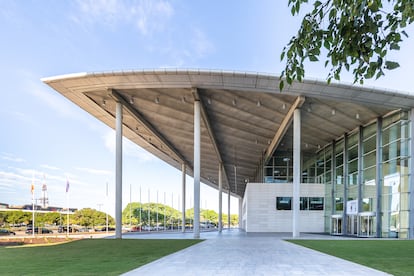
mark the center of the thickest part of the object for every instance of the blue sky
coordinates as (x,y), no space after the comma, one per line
(44,135)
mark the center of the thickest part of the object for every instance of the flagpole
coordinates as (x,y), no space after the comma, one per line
(140,210)
(165,213)
(67,206)
(130,202)
(33,203)
(149,213)
(157,212)
(107,209)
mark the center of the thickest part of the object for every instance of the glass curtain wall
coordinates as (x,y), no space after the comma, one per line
(328,166)
(395,174)
(369,184)
(352,184)
(338,185)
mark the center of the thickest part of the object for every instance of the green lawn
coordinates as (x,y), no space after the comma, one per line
(86,257)
(391,256)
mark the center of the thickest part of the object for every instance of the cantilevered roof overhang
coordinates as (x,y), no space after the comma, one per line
(245,118)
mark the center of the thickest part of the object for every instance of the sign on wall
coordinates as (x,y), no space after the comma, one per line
(352,207)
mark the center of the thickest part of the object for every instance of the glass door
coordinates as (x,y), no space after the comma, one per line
(366,224)
(336,225)
(352,225)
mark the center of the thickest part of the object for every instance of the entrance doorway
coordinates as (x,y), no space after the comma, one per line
(366,223)
(352,225)
(336,225)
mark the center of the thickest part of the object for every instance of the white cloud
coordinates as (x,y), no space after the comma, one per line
(200,44)
(95,171)
(50,167)
(10,157)
(128,147)
(146,15)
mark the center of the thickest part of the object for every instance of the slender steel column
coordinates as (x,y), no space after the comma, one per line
(360,169)
(345,180)
(197,141)
(118,173)
(240,212)
(220,214)
(378,177)
(228,210)
(411,178)
(296,172)
(183,197)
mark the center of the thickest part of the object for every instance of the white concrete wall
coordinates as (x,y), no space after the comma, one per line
(260,214)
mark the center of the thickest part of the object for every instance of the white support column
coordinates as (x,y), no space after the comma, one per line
(220,214)
(197,141)
(183,197)
(228,210)
(240,212)
(118,173)
(296,172)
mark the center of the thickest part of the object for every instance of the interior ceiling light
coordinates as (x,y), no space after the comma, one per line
(234,102)
(183,99)
(131,100)
(283,106)
(333,112)
(357,116)
(209,101)
(157,100)
(309,108)
(259,104)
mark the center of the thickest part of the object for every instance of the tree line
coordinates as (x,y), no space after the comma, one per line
(135,213)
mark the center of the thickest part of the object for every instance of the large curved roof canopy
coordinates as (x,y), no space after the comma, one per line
(245,118)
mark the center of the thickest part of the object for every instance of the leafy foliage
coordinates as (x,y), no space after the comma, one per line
(90,217)
(357,36)
(141,210)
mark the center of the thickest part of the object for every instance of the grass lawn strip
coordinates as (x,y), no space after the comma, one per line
(392,256)
(87,257)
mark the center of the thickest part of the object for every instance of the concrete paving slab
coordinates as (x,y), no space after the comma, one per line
(237,253)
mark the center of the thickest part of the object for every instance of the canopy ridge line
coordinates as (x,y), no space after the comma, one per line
(281,131)
(210,131)
(150,128)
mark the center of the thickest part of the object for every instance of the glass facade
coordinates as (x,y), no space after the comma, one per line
(366,176)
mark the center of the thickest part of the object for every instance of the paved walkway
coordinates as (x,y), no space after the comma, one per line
(237,253)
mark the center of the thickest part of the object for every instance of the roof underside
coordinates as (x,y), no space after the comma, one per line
(244,116)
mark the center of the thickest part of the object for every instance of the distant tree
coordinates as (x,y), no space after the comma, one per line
(357,36)
(90,217)
(209,215)
(15,217)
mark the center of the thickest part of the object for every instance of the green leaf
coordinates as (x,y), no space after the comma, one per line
(394,46)
(390,65)
(313,58)
(281,85)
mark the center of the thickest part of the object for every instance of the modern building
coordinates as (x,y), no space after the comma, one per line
(314,158)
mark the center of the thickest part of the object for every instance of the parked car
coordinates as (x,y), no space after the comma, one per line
(109,228)
(64,229)
(135,228)
(6,232)
(39,230)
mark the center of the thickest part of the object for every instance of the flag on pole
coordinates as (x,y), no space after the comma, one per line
(67,185)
